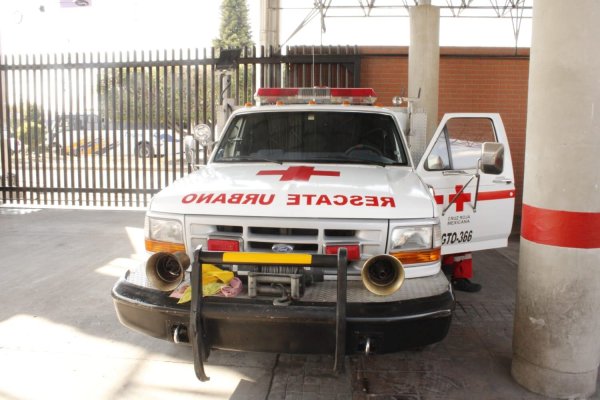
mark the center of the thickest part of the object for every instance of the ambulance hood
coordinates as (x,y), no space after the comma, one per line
(298,190)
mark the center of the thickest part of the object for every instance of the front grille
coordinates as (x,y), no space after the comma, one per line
(267,246)
(305,235)
(229,229)
(335,233)
(278,231)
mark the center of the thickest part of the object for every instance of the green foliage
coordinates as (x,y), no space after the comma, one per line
(32,130)
(235,28)
(159,96)
(156,97)
(29,132)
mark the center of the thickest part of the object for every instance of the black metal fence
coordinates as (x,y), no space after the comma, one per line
(106,129)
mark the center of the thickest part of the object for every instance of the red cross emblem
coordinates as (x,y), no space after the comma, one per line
(298,173)
(460,199)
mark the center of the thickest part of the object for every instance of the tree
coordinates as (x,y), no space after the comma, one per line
(31,130)
(235,33)
(155,96)
(235,29)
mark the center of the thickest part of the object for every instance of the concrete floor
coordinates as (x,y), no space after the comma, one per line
(59,336)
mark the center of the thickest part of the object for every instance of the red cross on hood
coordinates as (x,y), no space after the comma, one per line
(298,173)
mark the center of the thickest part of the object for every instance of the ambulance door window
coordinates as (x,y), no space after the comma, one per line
(439,158)
(459,145)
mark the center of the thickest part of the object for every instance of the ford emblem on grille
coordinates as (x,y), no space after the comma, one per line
(282,248)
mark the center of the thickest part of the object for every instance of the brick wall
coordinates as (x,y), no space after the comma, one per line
(471,80)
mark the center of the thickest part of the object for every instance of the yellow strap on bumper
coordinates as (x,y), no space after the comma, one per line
(267,258)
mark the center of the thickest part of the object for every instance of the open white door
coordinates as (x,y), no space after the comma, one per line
(473,217)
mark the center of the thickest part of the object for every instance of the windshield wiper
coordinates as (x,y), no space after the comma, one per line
(249,158)
(347,160)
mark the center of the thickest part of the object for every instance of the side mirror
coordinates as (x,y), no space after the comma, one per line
(202,133)
(492,158)
(434,163)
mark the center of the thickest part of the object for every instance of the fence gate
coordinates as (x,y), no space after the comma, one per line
(106,129)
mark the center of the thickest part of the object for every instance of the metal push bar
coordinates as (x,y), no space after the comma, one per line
(198,336)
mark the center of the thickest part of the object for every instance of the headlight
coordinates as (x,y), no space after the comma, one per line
(415,238)
(164,230)
(416,244)
(163,235)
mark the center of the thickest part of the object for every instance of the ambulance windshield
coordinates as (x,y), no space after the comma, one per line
(315,136)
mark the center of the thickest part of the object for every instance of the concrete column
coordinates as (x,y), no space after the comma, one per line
(424,61)
(556,343)
(269,23)
(269,38)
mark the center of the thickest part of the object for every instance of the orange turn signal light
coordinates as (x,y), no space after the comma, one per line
(418,257)
(156,246)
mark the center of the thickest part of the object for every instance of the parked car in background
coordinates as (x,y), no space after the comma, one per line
(77,134)
(85,134)
(160,143)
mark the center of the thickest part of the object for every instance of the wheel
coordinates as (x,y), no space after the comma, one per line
(363,147)
(144,150)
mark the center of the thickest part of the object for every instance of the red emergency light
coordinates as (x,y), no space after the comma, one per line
(358,96)
(352,249)
(223,245)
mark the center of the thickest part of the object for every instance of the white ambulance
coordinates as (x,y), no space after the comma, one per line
(334,233)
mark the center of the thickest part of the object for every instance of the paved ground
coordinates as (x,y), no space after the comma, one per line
(59,337)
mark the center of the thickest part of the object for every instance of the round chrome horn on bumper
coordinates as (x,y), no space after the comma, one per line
(165,271)
(383,274)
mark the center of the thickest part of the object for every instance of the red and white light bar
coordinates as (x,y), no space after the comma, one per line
(364,96)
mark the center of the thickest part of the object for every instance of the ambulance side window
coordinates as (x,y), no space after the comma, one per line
(459,145)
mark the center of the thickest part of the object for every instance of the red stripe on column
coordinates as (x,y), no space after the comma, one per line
(579,230)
